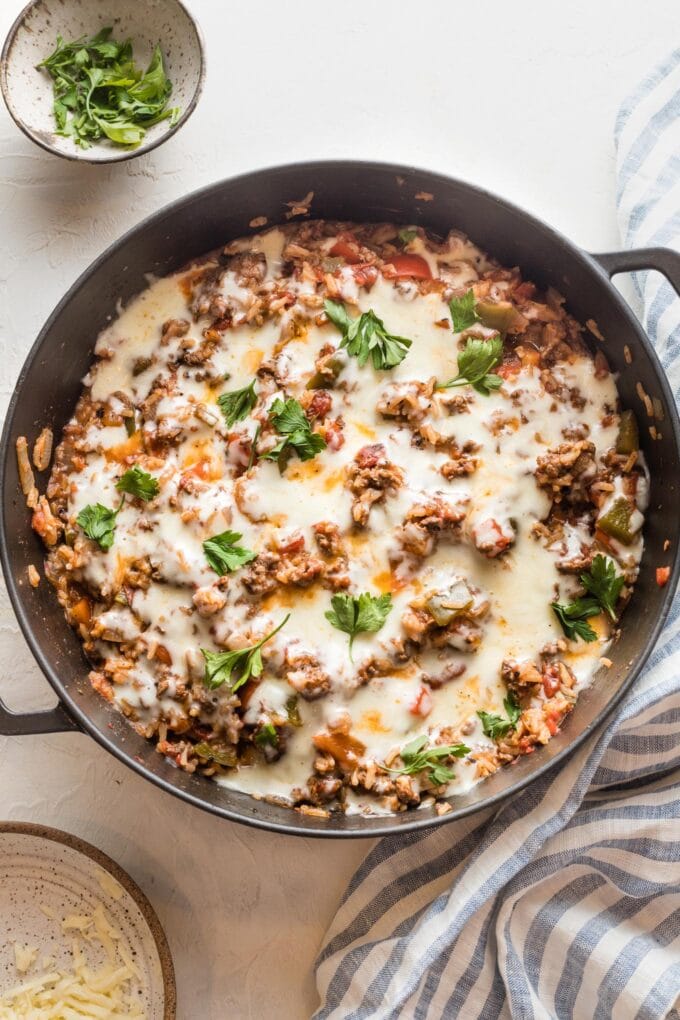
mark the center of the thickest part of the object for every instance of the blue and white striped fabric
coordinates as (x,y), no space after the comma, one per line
(565,902)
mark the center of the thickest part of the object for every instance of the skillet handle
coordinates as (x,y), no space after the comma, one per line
(19,724)
(665,260)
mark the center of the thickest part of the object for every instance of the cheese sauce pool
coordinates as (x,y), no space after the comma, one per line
(507,430)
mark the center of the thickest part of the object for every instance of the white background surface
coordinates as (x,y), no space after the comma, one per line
(518,98)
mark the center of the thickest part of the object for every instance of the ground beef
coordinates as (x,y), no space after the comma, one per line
(304,673)
(371,478)
(564,472)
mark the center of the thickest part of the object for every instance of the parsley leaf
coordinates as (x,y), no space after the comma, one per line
(475,362)
(237,404)
(223,555)
(406,236)
(573,617)
(137,482)
(291,422)
(99,523)
(99,92)
(604,584)
(358,614)
(367,336)
(463,314)
(267,734)
(247,662)
(496,726)
(417,757)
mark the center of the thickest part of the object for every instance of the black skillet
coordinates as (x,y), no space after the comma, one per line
(50,383)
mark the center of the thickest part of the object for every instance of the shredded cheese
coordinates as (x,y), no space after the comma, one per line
(82,991)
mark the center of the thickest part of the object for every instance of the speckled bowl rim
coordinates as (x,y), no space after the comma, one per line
(116,156)
(131,887)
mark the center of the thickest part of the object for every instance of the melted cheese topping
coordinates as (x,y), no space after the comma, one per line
(507,431)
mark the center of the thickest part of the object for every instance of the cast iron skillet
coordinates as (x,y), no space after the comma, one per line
(50,383)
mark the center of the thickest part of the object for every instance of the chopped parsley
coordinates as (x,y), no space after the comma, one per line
(417,757)
(475,364)
(237,404)
(358,614)
(224,555)
(463,313)
(496,726)
(292,424)
(604,584)
(267,734)
(367,336)
(99,523)
(99,92)
(245,662)
(573,617)
(139,483)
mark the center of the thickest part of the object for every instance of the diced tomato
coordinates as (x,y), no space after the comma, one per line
(662,576)
(525,291)
(365,275)
(346,248)
(295,544)
(422,705)
(414,266)
(551,684)
(201,469)
(552,725)
(509,367)
(320,404)
(333,434)
(239,450)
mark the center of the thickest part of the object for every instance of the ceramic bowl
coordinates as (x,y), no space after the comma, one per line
(46,875)
(27,91)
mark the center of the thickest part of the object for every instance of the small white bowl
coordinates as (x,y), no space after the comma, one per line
(27,91)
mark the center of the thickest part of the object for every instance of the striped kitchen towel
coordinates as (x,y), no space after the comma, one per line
(565,902)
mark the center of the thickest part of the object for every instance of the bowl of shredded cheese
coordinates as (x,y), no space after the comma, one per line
(81,940)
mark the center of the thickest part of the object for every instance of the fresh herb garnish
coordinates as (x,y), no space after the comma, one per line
(99,523)
(246,662)
(417,757)
(223,555)
(100,92)
(137,482)
(267,734)
(496,726)
(463,314)
(291,422)
(237,405)
(604,584)
(367,336)
(573,617)
(406,236)
(358,614)
(475,363)
(253,446)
